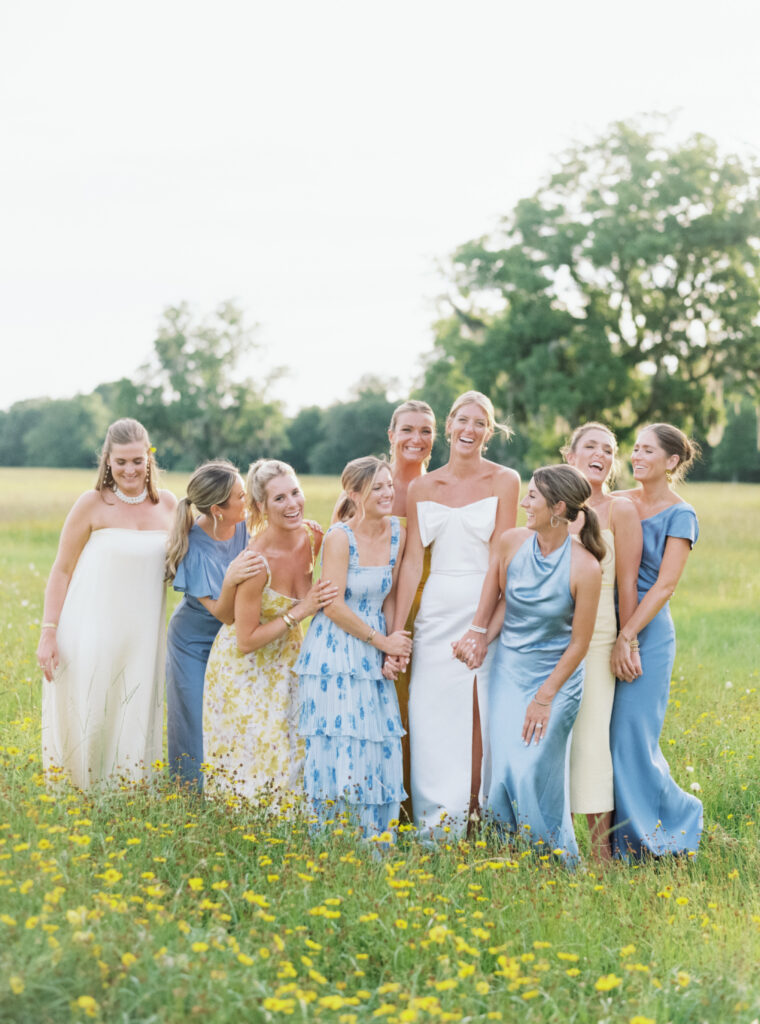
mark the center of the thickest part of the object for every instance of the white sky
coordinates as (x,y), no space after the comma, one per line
(314,160)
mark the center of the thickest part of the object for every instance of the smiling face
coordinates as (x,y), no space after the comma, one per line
(412,438)
(594,455)
(284,502)
(378,501)
(649,459)
(129,465)
(468,429)
(537,511)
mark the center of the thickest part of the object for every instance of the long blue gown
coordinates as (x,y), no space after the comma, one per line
(530,785)
(349,712)
(192,630)
(652,814)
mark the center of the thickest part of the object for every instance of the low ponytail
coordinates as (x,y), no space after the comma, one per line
(345,509)
(591,534)
(176,548)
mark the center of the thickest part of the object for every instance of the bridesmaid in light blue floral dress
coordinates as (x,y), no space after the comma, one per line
(349,712)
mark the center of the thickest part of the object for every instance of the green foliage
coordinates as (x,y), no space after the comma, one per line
(626,289)
(354,428)
(191,397)
(65,432)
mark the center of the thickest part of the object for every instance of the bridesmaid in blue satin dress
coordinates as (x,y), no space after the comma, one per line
(551,582)
(653,815)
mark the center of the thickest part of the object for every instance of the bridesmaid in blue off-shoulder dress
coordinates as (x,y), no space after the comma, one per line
(653,815)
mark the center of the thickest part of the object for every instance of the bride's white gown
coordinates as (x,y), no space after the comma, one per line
(441,689)
(103,713)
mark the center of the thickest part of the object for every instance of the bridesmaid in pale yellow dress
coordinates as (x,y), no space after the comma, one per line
(592,450)
(250,701)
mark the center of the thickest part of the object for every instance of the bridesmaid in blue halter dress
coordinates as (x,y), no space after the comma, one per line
(653,815)
(551,583)
(349,713)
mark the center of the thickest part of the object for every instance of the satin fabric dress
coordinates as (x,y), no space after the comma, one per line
(653,815)
(192,631)
(530,784)
(102,716)
(441,691)
(591,789)
(349,713)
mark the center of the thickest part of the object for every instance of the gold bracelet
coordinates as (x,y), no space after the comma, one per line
(49,625)
(289,621)
(541,703)
(371,634)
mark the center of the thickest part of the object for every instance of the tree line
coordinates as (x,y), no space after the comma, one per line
(626,289)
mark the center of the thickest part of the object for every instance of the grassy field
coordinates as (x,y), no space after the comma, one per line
(143,905)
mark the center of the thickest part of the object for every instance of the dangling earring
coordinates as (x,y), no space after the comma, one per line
(669,475)
(107,479)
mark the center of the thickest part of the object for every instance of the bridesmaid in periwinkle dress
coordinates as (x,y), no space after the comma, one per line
(349,712)
(652,814)
(551,582)
(592,450)
(458,509)
(206,559)
(102,643)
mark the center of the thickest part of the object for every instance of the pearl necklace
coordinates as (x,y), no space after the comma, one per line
(128,499)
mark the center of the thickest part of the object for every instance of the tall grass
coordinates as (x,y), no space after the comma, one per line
(141,904)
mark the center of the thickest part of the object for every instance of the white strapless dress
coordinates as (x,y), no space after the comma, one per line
(102,715)
(441,688)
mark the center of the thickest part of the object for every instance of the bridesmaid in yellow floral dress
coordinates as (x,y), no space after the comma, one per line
(250,702)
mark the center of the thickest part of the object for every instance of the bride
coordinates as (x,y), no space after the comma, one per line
(459,510)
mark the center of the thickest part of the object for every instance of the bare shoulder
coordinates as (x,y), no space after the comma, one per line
(85,509)
(422,488)
(503,475)
(512,539)
(336,540)
(167,500)
(584,563)
(622,512)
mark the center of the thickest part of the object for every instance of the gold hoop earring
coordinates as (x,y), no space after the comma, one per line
(554,522)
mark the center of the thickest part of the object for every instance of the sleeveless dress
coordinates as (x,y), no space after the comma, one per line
(192,630)
(441,691)
(652,814)
(530,785)
(102,716)
(591,790)
(349,712)
(251,744)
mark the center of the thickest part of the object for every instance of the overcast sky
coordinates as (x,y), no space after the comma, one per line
(317,161)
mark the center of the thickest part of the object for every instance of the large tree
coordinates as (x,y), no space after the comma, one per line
(193,398)
(627,288)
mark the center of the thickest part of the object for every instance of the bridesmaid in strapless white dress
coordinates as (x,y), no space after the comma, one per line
(459,511)
(102,643)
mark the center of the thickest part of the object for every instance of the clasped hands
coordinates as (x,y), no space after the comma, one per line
(471,649)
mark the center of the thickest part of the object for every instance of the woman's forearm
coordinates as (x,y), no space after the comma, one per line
(409,578)
(573,655)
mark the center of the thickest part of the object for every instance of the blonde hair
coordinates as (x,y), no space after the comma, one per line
(358,478)
(485,403)
(568,484)
(127,431)
(259,475)
(578,434)
(674,442)
(413,405)
(210,484)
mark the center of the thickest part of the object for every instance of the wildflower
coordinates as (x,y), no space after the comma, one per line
(199,947)
(530,994)
(196,884)
(246,961)
(683,979)
(88,1005)
(128,959)
(401,923)
(16,984)
(572,972)
(695,787)
(638,1019)
(627,950)
(607,982)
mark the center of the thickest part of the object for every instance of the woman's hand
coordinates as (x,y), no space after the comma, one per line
(391,668)
(397,645)
(322,593)
(471,649)
(625,663)
(536,722)
(244,566)
(47,653)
